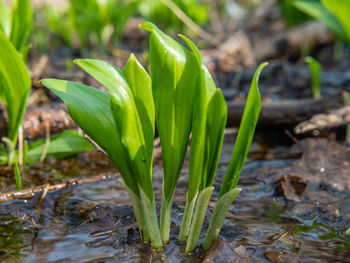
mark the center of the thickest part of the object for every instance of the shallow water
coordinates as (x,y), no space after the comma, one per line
(93,222)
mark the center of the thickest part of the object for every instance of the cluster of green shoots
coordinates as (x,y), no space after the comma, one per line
(181,96)
(89,23)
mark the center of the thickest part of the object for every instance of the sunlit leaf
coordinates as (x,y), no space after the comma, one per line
(126,118)
(317,10)
(341,9)
(21,24)
(173,71)
(91,110)
(245,135)
(15,85)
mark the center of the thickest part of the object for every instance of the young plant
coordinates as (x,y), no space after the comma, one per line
(315,72)
(183,98)
(229,190)
(121,122)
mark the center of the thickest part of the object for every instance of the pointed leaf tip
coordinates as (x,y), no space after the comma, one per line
(148,26)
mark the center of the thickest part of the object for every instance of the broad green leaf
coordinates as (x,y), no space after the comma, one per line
(341,9)
(245,135)
(65,144)
(21,24)
(315,9)
(141,87)
(126,117)
(15,85)
(174,72)
(91,110)
(4,18)
(216,123)
(208,124)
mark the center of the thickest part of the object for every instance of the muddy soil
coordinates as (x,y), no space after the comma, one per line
(294,207)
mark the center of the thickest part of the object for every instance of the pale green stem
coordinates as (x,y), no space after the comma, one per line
(165,216)
(220,210)
(199,215)
(10,150)
(186,219)
(150,215)
(137,207)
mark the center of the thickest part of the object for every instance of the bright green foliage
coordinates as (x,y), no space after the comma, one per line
(17,24)
(113,121)
(333,13)
(208,124)
(21,25)
(5,21)
(183,98)
(245,135)
(173,84)
(17,176)
(15,85)
(173,70)
(341,9)
(315,71)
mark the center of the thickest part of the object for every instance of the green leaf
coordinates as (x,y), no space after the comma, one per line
(15,85)
(245,135)
(62,145)
(208,125)
(91,110)
(21,24)
(315,71)
(4,18)
(341,9)
(141,87)
(315,9)
(173,71)
(126,118)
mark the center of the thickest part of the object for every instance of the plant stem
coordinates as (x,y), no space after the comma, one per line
(150,216)
(220,210)
(165,215)
(199,215)
(186,219)
(137,207)
(10,149)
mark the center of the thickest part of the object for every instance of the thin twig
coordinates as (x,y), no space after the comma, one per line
(190,23)
(44,194)
(98,148)
(47,142)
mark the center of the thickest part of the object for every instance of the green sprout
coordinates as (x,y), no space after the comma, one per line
(315,72)
(182,97)
(17,176)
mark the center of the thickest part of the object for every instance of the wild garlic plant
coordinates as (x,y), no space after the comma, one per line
(181,96)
